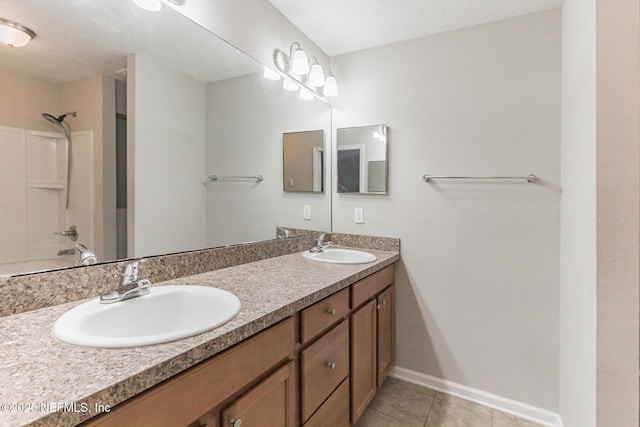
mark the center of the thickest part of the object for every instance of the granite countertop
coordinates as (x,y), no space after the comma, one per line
(50,383)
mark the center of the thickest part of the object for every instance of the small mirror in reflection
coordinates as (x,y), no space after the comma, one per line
(362,159)
(303,170)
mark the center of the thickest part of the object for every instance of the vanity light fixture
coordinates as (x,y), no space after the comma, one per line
(269,74)
(289,85)
(303,74)
(316,75)
(15,35)
(155,5)
(305,94)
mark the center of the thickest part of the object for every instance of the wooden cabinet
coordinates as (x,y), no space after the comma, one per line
(372,338)
(324,360)
(323,366)
(386,342)
(334,411)
(266,404)
(203,391)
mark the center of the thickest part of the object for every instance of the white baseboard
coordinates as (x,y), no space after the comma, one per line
(519,409)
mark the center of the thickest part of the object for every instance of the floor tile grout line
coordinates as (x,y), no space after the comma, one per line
(433,400)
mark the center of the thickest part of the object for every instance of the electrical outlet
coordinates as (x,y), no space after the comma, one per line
(359,215)
(307,212)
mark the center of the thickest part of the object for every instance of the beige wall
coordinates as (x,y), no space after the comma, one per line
(23,99)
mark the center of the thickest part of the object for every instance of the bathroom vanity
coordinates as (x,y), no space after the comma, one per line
(309,369)
(312,343)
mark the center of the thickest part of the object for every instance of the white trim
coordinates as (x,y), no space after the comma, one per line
(513,407)
(317,168)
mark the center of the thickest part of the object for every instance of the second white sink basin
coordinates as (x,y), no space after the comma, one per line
(340,256)
(167,313)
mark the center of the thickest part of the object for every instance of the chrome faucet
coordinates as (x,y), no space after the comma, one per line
(130,286)
(86,256)
(320,244)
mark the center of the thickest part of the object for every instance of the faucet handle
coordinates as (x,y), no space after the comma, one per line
(130,272)
(320,239)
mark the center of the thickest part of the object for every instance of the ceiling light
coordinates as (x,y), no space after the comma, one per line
(316,75)
(330,86)
(14,34)
(269,74)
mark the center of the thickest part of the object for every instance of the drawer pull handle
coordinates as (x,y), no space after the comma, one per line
(236,423)
(332,312)
(332,365)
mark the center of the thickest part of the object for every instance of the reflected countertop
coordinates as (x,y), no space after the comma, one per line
(47,382)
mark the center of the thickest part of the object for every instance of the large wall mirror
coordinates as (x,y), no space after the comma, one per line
(155,129)
(362,159)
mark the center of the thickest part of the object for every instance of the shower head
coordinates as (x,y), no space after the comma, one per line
(58,120)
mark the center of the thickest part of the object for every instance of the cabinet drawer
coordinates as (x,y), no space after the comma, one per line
(371,285)
(323,314)
(185,397)
(334,411)
(323,366)
(268,404)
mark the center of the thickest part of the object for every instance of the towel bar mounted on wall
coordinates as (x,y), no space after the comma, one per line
(230,177)
(529,178)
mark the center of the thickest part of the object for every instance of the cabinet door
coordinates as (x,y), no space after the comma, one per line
(363,359)
(271,403)
(386,334)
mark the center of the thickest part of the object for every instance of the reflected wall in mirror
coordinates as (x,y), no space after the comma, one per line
(362,159)
(156,114)
(303,154)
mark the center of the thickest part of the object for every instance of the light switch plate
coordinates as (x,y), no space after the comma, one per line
(307,212)
(359,215)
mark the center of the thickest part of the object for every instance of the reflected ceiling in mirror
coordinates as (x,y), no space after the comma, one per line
(362,159)
(157,112)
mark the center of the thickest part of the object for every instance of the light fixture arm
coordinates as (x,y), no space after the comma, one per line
(281,59)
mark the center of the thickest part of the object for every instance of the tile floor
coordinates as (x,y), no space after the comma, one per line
(401,404)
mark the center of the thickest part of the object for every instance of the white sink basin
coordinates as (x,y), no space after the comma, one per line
(340,256)
(167,313)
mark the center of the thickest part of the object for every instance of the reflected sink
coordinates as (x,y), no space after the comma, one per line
(167,313)
(340,256)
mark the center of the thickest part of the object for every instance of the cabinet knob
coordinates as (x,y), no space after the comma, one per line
(332,312)
(236,423)
(331,365)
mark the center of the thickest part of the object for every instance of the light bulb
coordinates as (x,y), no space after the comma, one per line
(289,85)
(299,63)
(270,74)
(330,86)
(150,5)
(316,76)
(306,95)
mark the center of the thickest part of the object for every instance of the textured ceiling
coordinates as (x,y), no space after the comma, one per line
(342,26)
(79,38)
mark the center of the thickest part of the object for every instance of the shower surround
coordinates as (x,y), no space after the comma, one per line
(33,182)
